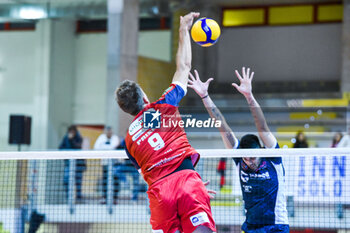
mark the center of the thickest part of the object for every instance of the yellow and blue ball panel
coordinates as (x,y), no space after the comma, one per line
(205,32)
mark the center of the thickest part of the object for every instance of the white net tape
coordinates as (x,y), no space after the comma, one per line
(205,153)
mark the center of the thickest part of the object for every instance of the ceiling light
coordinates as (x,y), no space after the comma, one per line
(32,13)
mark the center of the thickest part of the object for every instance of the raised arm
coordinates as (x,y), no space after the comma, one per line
(245,88)
(201,89)
(184,53)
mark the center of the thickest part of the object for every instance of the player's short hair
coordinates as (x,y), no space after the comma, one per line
(129,97)
(249,141)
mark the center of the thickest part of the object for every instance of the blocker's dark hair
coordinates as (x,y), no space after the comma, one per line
(129,97)
(249,141)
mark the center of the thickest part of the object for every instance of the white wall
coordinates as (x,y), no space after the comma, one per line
(17,78)
(91,75)
(155,44)
(61,80)
(24,69)
(310,52)
(91,70)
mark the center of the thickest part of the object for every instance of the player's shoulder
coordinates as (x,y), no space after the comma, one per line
(173,94)
(273,143)
(275,160)
(277,145)
(175,86)
(180,86)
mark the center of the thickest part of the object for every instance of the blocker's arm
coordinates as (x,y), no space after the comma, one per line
(201,89)
(245,88)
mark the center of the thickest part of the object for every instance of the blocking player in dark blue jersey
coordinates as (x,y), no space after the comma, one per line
(261,179)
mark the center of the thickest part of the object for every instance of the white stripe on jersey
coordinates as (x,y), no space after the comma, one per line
(184,87)
(281,215)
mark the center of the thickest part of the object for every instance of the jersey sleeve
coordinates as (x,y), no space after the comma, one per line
(132,159)
(173,94)
(276,160)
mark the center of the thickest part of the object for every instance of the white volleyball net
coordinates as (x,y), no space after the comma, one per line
(100,191)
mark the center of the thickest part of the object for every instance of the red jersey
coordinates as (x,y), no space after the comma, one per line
(156,142)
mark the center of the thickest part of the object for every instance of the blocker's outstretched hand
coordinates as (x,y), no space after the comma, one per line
(211,193)
(201,88)
(187,20)
(245,87)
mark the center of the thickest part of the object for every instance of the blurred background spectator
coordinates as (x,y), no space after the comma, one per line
(73,141)
(345,140)
(108,141)
(221,170)
(125,168)
(300,140)
(336,139)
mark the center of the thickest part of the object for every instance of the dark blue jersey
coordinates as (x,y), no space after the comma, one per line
(263,191)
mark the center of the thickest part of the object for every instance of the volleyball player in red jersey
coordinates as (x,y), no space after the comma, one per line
(179,201)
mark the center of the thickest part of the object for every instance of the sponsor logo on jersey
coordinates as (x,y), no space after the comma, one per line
(166,160)
(135,126)
(157,231)
(138,134)
(151,119)
(244,177)
(199,218)
(247,188)
(262,176)
(254,176)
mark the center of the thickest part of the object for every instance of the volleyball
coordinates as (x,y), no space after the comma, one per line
(205,32)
